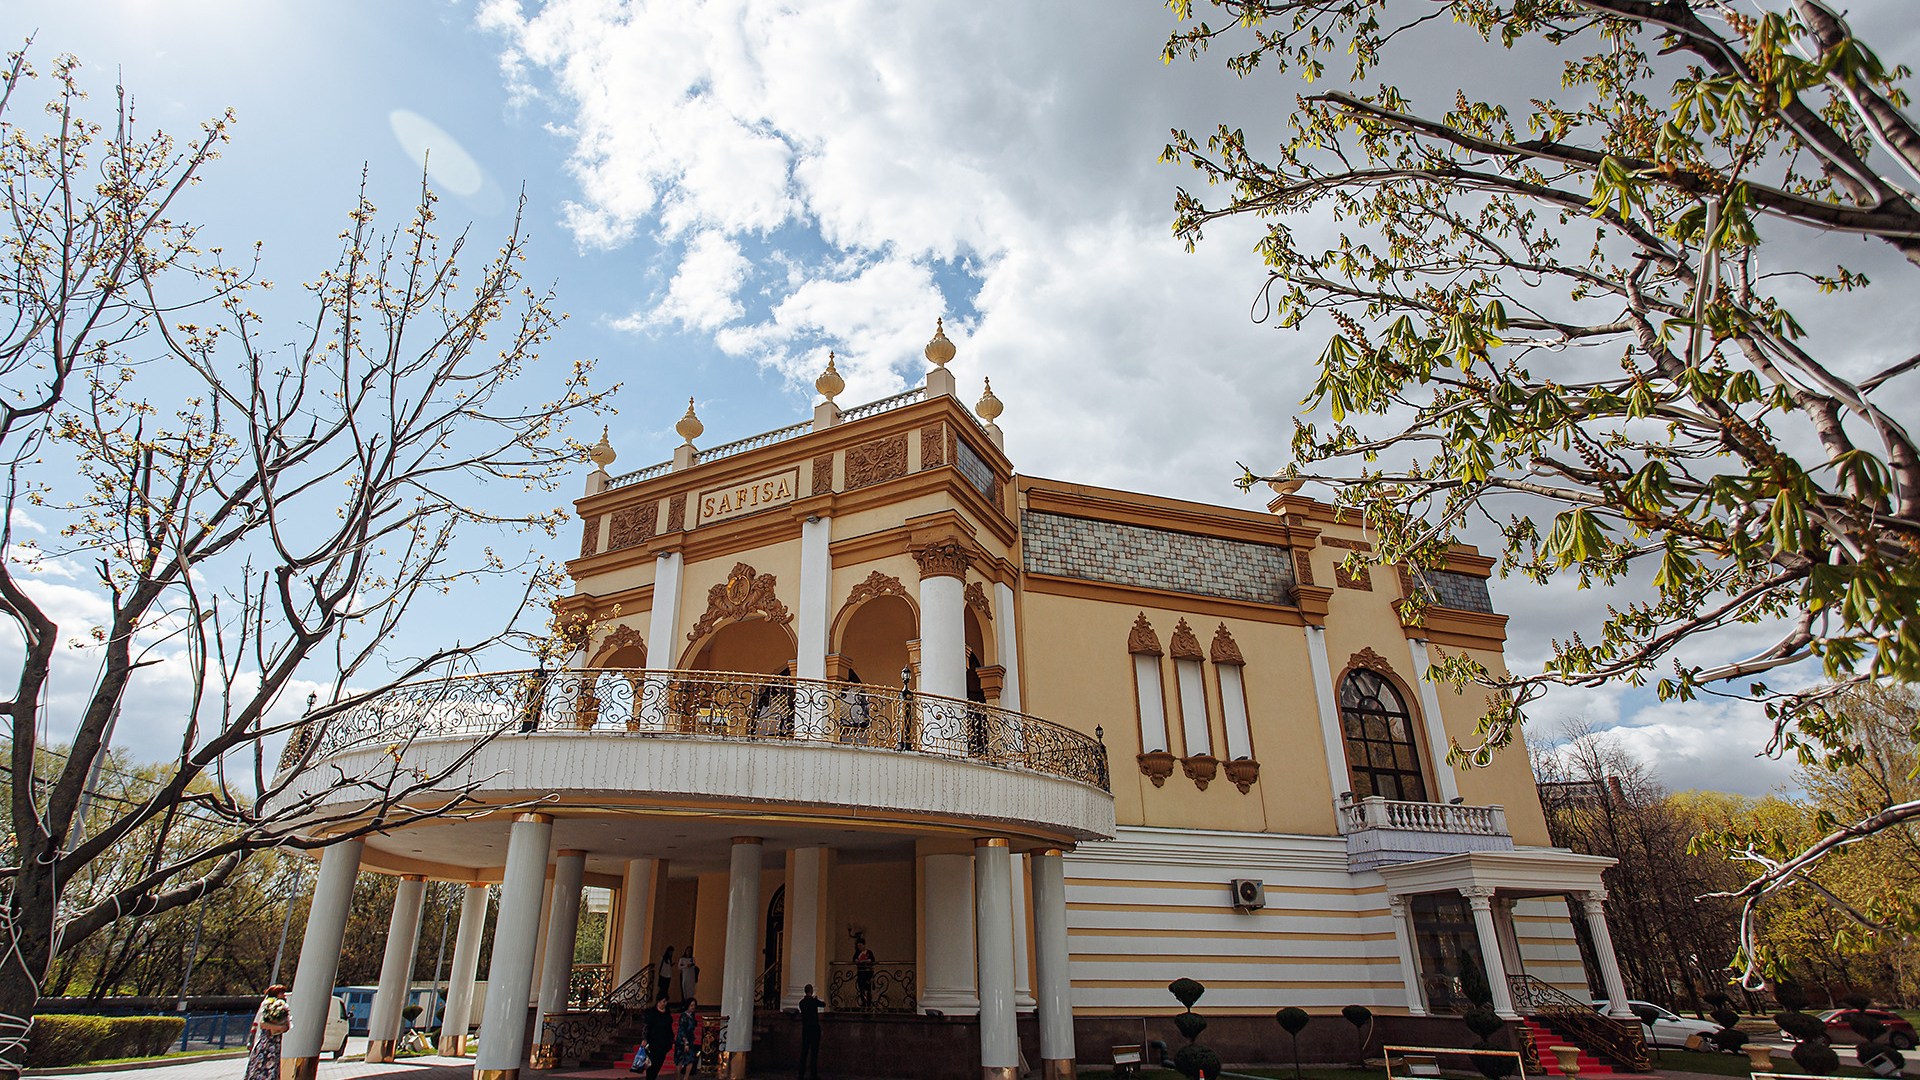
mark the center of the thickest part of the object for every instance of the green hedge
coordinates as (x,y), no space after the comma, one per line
(73,1040)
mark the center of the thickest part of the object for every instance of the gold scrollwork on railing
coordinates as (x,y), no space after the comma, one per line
(871,988)
(708,704)
(1604,1035)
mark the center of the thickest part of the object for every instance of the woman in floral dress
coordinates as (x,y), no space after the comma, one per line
(270,1022)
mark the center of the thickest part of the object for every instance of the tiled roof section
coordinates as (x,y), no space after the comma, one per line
(1156,558)
(1462,592)
(974,468)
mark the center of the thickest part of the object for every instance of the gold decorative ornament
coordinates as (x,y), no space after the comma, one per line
(1372,661)
(875,462)
(976,597)
(940,351)
(876,585)
(829,383)
(988,408)
(746,593)
(690,426)
(601,453)
(1225,650)
(944,558)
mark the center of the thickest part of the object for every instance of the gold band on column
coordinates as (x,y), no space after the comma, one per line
(566,852)
(999,1072)
(734,1067)
(991,841)
(747,840)
(453,1046)
(496,1074)
(380,1050)
(538,819)
(1052,851)
(299,1068)
(1056,1069)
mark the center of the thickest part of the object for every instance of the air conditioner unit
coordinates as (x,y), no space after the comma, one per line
(1249,894)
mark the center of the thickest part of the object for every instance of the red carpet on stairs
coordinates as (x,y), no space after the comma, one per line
(1545,1039)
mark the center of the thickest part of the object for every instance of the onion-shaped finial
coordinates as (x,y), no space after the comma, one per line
(989,407)
(940,350)
(601,453)
(829,383)
(690,426)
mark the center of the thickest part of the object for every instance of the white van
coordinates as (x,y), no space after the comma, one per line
(336,1036)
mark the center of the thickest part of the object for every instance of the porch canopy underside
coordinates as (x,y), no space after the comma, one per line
(1522,872)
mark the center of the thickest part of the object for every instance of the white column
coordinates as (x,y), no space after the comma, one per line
(1480,897)
(1050,947)
(663,639)
(946,984)
(319,960)
(810,719)
(396,969)
(993,929)
(1436,727)
(741,965)
(466,966)
(516,931)
(1399,913)
(1022,981)
(1007,644)
(636,917)
(943,636)
(1594,903)
(805,961)
(1331,740)
(563,925)
(540,942)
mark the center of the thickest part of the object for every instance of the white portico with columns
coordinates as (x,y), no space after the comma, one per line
(983,759)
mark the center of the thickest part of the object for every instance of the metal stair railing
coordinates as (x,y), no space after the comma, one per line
(1587,1028)
(569,1037)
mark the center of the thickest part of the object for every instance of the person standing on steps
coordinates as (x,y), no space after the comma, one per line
(689,974)
(810,1035)
(659,1032)
(664,974)
(686,1039)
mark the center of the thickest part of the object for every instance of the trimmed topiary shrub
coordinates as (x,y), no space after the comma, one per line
(1194,1061)
(59,1039)
(1361,1018)
(1293,1021)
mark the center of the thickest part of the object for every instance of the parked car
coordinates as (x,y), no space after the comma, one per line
(337,1028)
(1666,1028)
(1900,1034)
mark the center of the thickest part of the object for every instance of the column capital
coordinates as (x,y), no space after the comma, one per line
(990,842)
(1397,904)
(1479,897)
(413,877)
(748,840)
(538,819)
(1052,851)
(942,558)
(1593,898)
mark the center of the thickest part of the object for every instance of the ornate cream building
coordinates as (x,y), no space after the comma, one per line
(1038,748)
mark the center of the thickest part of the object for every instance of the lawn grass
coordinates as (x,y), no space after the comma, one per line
(171,1055)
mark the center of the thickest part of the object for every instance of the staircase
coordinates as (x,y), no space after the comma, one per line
(1545,1039)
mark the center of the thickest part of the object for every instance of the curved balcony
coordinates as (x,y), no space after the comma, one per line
(707,705)
(721,747)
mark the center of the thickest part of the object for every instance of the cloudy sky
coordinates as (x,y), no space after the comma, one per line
(722,192)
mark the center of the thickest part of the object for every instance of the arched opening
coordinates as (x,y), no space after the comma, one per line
(755,646)
(873,643)
(1383,757)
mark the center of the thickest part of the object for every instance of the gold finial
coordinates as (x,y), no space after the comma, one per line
(989,407)
(601,453)
(940,350)
(689,426)
(829,383)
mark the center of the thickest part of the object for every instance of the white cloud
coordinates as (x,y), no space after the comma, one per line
(702,295)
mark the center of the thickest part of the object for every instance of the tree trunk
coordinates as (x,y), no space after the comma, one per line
(31,913)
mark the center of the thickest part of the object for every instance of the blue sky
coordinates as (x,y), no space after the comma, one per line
(722,192)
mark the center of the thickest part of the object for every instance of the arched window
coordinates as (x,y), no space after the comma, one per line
(1382,758)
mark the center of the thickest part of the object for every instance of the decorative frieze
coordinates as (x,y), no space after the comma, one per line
(589,536)
(1372,661)
(677,513)
(1303,565)
(823,474)
(746,592)
(633,526)
(1344,544)
(933,446)
(1359,579)
(876,462)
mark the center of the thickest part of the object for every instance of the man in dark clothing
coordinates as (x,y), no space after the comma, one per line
(659,1027)
(810,1035)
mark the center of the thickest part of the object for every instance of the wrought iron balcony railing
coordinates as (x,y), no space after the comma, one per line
(703,704)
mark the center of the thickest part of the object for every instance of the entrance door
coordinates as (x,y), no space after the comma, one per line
(1452,972)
